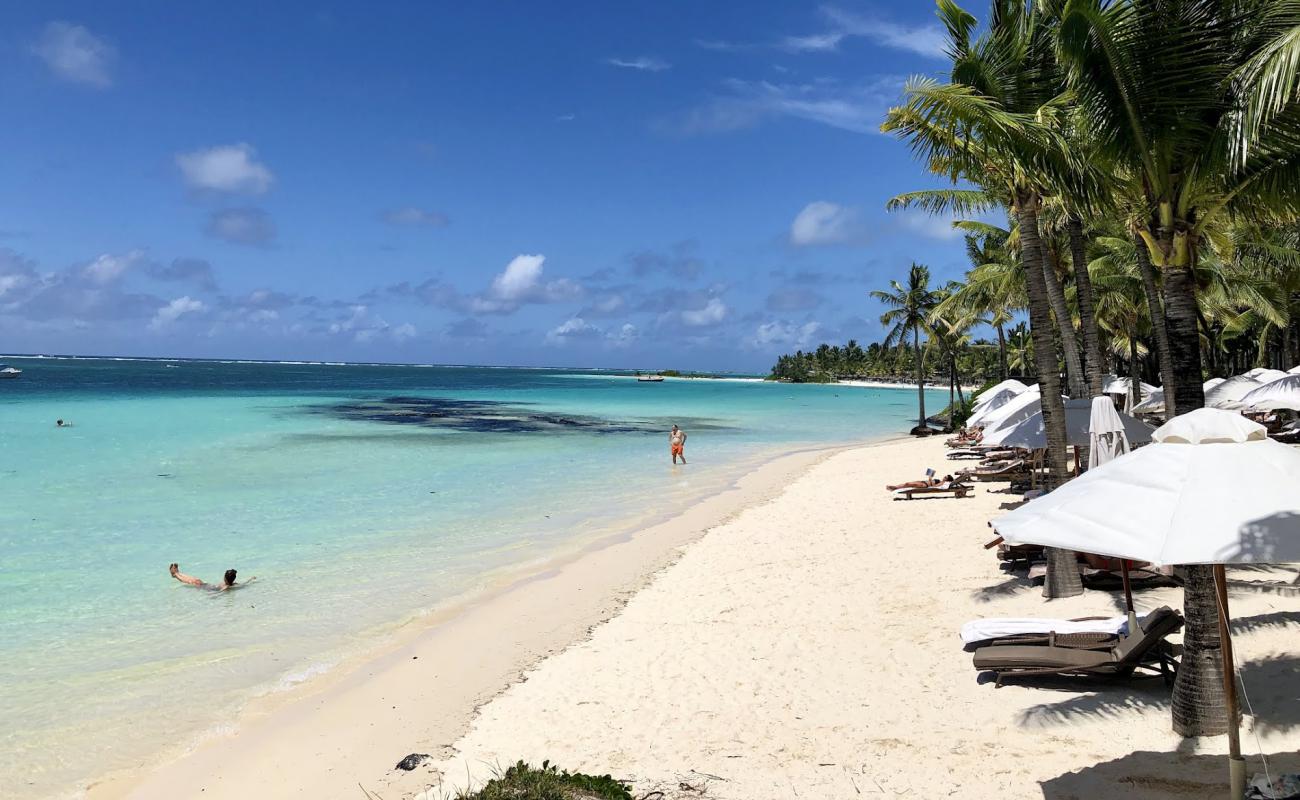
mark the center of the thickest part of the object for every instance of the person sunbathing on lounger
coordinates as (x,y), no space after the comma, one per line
(929,483)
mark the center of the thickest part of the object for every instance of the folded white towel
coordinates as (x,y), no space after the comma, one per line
(981,630)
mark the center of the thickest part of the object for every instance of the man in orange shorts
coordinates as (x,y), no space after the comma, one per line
(677,444)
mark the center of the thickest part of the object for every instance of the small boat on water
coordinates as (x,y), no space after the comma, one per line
(650,378)
(7,371)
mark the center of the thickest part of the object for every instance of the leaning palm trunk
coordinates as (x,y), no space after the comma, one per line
(1184,339)
(1063,579)
(1160,333)
(1065,323)
(1087,318)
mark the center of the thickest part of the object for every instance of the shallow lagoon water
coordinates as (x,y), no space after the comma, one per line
(359,495)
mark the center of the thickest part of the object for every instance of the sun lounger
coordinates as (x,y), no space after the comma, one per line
(1087,632)
(1001,471)
(1018,630)
(954,489)
(1120,658)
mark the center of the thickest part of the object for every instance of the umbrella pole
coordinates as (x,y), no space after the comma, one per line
(1128,596)
(1236,764)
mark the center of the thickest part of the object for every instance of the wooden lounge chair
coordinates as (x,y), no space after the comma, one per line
(954,489)
(1087,640)
(1119,658)
(1002,470)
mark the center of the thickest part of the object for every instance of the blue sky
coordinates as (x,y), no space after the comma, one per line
(657,184)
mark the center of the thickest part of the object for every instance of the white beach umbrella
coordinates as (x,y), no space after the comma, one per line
(1281,393)
(1027,429)
(1265,375)
(1154,404)
(1018,407)
(1116,385)
(1228,393)
(1294,370)
(987,407)
(1011,384)
(1213,489)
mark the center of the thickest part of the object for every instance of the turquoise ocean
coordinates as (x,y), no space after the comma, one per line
(361,496)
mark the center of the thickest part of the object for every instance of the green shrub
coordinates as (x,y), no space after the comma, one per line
(522,782)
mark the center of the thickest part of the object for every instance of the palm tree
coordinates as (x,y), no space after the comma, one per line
(908,317)
(986,127)
(1161,84)
(1020,348)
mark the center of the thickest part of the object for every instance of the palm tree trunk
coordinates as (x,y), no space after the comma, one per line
(1159,328)
(1184,338)
(1065,323)
(1134,379)
(1063,579)
(1087,318)
(952,366)
(1002,352)
(1198,701)
(920,378)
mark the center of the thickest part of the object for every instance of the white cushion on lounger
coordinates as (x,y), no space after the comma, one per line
(981,630)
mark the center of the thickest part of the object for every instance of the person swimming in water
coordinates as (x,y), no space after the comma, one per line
(227,580)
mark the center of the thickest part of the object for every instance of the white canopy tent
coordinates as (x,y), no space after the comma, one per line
(1283,393)
(1026,429)
(1214,489)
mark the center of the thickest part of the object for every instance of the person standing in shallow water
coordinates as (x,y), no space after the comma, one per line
(677,444)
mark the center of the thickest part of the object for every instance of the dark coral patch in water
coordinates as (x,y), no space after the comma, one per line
(488,416)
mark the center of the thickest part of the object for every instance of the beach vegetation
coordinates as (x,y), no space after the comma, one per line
(1144,154)
(547,782)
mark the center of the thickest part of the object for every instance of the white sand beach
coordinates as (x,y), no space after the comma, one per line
(803,647)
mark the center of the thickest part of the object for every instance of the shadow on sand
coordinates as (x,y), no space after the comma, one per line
(1159,776)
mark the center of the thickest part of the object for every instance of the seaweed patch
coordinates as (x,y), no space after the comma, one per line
(489,416)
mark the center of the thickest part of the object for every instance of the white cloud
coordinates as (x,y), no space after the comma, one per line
(818,42)
(416,217)
(250,226)
(822,222)
(174,310)
(404,332)
(926,40)
(783,333)
(108,268)
(75,54)
(624,336)
(859,108)
(712,313)
(521,282)
(643,63)
(571,329)
(928,225)
(225,168)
